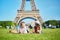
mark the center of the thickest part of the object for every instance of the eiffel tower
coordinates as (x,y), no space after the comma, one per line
(22,14)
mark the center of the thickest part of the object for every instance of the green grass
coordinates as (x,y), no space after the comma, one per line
(48,34)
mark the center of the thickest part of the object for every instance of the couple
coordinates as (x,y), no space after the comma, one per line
(24,29)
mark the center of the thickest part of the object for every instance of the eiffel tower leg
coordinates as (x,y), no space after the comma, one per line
(40,20)
(23,4)
(16,20)
(33,5)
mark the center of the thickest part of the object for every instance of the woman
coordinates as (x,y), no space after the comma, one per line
(23,28)
(37,28)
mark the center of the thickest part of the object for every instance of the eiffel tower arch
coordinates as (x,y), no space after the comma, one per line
(22,14)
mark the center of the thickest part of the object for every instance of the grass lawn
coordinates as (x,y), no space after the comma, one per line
(48,34)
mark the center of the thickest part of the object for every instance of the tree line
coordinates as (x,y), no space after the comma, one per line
(55,23)
(6,23)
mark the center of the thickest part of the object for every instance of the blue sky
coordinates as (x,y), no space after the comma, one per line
(49,9)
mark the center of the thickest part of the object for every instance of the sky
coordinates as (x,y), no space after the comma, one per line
(49,9)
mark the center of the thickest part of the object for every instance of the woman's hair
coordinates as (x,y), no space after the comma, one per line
(37,27)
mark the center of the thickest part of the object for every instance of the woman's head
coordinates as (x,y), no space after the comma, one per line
(37,28)
(22,24)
